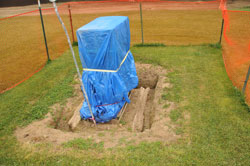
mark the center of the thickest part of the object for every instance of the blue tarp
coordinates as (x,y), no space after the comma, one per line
(103,44)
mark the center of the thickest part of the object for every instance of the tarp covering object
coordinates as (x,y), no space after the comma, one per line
(109,71)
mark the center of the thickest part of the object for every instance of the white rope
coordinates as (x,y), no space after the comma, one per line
(73,54)
(102,70)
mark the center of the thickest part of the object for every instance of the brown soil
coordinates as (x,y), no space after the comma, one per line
(157,124)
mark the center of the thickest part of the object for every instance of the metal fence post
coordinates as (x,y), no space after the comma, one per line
(222,27)
(141,24)
(44,35)
(71,24)
(245,82)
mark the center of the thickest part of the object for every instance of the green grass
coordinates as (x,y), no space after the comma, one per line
(150,45)
(245,8)
(216,132)
(165,106)
(83,144)
(175,115)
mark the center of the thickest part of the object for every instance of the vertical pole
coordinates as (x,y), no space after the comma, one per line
(222,27)
(44,35)
(141,25)
(71,24)
(245,82)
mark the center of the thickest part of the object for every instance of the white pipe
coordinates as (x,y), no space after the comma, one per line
(73,54)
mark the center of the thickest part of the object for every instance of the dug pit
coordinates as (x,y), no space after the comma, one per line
(144,119)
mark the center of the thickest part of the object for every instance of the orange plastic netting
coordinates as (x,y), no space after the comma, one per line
(23,52)
(236,48)
(22,47)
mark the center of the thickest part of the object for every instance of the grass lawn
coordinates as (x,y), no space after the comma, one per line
(217,132)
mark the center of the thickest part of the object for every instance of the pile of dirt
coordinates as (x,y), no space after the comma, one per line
(144,119)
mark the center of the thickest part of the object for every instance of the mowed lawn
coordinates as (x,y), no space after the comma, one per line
(217,131)
(22,49)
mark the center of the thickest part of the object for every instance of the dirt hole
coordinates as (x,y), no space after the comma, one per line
(148,78)
(144,119)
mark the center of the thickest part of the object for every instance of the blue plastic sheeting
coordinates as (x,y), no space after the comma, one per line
(103,44)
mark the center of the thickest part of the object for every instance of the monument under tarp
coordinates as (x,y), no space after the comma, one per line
(109,71)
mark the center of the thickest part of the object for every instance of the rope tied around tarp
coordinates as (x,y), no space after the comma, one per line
(103,70)
(103,105)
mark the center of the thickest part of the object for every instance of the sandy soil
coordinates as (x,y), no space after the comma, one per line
(157,124)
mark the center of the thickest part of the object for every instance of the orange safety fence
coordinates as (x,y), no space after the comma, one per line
(22,47)
(236,46)
(23,52)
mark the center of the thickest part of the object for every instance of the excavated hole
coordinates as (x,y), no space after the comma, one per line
(155,123)
(148,78)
